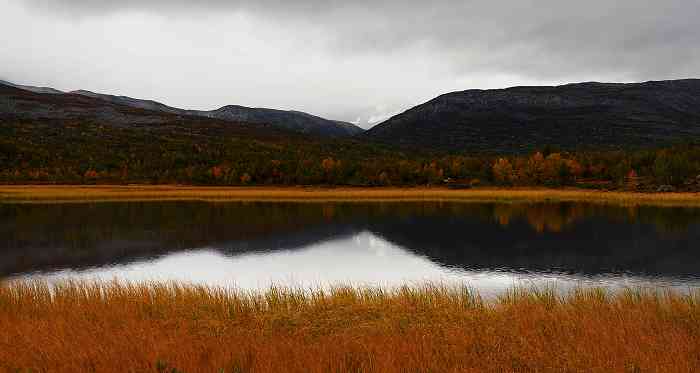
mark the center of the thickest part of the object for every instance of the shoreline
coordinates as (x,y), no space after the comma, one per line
(107,193)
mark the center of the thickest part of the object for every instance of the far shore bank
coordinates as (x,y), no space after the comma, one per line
(96,193)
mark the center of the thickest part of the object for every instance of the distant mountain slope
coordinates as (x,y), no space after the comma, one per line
(132,102)
(32,88)
(574,115)
(24,104)
(291,120)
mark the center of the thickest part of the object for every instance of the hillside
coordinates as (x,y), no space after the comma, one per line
(131,102)
(21,104)
(72,138)
(32,88)
(292,120)
(519,119)
(75,139)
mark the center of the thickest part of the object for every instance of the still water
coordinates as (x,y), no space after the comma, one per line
(491,247)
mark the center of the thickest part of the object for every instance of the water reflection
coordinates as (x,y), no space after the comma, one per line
(252,245)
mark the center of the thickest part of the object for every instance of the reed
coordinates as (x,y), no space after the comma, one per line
(173,327)
(53,193)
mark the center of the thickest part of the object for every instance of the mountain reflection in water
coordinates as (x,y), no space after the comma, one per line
(252,245)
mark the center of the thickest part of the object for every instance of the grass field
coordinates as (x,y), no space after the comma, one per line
(113,327)
(135,193)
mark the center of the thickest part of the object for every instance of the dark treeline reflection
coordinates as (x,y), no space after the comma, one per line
(556,237)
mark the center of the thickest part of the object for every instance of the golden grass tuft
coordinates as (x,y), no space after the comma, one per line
(171,327)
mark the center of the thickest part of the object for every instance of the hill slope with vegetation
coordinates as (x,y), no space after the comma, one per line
(296,121)
(75,139)
(290,120)
(572,116)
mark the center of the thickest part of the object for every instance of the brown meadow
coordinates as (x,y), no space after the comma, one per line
(170,327)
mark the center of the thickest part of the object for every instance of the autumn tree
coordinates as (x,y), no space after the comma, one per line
(433,173)
(672,168)
(534,168)
(331,168)
(632,180)
(575,168)
(554,170)
(216,172)
(328,164)
(246,178)
(503,171)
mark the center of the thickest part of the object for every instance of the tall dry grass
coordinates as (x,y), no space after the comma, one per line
(156,327)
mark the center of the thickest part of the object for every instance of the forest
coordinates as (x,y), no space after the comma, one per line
(80,152)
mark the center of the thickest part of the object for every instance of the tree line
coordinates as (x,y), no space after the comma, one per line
(78,153)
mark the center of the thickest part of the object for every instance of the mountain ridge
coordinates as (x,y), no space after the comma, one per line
(34,89)
(292,120)
(297,121)
(507,120)
(520,119)
(289,119)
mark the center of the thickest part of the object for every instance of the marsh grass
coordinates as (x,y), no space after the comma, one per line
(173,327)
(52,193)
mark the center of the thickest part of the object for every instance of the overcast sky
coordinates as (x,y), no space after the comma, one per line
(357,61)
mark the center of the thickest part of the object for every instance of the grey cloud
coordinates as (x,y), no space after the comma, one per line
(547,39)
(538,40)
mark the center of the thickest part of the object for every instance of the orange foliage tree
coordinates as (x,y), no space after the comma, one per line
(503,171)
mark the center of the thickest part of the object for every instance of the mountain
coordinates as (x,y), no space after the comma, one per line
(72,138)
(57,112)
(132,102)
(26,104)
(32,88)
(570,116)
(292,120)
(18,103)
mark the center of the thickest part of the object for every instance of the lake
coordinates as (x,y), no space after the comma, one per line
(253,245)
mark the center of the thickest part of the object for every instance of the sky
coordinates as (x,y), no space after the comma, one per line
(360,61)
